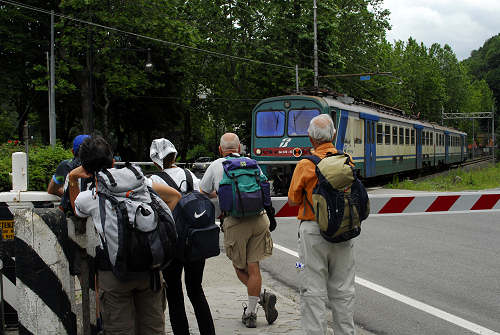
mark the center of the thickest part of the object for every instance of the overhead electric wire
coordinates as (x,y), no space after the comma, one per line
(213,53)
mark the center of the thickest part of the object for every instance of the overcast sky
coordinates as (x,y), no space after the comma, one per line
(463,24)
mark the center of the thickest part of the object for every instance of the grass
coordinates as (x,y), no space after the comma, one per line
(455,180)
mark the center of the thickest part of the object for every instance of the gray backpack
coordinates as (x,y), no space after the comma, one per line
(138,228)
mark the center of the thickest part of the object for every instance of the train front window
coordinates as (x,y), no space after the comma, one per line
(270,123)
(298,121)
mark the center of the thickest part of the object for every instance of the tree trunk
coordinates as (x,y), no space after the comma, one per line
(86,102)
(187,133)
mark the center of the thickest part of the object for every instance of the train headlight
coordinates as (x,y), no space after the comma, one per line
(258,151)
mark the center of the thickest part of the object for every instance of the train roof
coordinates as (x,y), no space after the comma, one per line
(365,106)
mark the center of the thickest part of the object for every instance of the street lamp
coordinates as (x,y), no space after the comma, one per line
(149,65)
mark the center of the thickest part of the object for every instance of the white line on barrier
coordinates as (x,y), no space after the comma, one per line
(412,302)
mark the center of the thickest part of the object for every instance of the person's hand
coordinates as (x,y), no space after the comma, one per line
(272,223)
(78,172)
(272,220)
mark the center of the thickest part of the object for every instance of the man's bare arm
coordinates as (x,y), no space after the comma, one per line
(210,195)
(74,187)
(55,189)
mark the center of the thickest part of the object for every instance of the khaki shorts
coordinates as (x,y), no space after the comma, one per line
(247,240)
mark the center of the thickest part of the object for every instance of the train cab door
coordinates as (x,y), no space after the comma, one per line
(418,143)
(342,119)
(370,144)
(446,147)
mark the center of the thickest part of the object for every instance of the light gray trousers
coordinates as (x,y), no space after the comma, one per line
(326,275)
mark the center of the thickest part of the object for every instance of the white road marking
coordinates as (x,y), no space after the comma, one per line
(412,302)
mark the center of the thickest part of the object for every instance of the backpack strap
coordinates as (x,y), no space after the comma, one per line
(108,174)
(167,179)
(189,180)
(315,159)
(134,170)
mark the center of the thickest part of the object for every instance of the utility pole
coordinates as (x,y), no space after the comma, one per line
(316,84)
(48,83)
(493,132)
(297,77)
(52,105)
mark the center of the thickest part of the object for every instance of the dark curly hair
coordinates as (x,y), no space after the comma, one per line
(95,154)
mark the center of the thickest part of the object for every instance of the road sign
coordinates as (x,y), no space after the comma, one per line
(364,78)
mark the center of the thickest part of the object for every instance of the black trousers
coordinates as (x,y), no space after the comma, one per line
(193,276)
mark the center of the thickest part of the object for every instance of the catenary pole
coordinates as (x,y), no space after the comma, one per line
(297,78)
(52,112)
(493,132)
(316,84)
(48,84)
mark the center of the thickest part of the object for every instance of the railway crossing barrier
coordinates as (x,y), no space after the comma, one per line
(404,204)
(41,251)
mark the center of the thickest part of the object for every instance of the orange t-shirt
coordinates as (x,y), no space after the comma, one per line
(304,179)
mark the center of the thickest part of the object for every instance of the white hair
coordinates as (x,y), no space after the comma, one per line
(321,128)
(228,142)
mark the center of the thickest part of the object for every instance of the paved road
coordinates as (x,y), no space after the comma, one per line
(450,262)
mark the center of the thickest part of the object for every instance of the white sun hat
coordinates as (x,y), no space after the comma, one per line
(160,148)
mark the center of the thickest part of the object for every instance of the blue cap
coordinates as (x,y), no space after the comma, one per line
(77,141)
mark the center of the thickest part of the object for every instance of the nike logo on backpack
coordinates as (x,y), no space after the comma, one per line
(197,216)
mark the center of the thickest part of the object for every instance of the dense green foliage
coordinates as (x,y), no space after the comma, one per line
(455,180)
(191,96)
(43,161)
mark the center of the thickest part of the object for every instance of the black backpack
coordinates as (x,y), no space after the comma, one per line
(138,229)
(340,201)
(195,222)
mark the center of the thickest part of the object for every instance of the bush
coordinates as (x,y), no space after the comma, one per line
(43,161)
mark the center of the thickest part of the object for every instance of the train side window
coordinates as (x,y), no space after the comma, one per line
(401,136)
(427,138)
(298,121)
(432,138)
(270,123)
(413,136)
(387,134)
(407,136)
(395,135)
(380,135)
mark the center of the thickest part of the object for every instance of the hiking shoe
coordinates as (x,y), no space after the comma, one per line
(268,302)
(250,320)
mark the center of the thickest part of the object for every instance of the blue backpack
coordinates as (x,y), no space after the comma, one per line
(244,189)
(198,235)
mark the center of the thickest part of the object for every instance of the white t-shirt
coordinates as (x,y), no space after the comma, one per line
(178,175)
(213,176)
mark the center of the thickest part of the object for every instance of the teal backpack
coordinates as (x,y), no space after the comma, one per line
(244,189)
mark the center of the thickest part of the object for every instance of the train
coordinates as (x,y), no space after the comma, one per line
(381,139)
